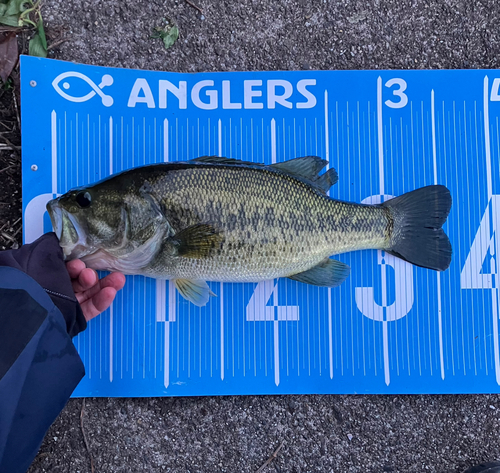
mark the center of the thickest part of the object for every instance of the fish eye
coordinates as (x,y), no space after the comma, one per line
(83,199)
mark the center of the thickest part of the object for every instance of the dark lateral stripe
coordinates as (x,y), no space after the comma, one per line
(17,304)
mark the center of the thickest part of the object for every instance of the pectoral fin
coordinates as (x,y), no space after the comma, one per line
(194,291)
(196,241)
(329,273)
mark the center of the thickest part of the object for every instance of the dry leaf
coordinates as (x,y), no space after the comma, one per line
(9,54)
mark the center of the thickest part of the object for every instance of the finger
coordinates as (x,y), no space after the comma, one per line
(85,280)
(113,280)
(99,303)
(75,267)
(117,280)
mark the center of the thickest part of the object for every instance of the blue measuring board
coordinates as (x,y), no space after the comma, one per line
(390,328)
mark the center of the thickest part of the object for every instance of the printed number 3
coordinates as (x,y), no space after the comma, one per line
(403,98)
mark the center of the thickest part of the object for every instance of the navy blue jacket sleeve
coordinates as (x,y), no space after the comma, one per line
(43,260)
(39,365)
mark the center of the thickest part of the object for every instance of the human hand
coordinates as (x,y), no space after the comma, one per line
(94,295)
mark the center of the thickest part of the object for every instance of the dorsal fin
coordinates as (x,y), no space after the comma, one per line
(306,168)
(327,180)
(220,160)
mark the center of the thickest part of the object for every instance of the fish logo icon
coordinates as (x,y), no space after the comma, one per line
(106,80)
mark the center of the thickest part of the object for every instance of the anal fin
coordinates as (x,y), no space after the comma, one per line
(328,273)
(195,291)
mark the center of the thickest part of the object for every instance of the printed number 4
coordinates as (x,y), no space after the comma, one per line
(486,244)
(403,98)
(495,97)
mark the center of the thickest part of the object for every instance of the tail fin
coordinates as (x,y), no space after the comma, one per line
(417,236)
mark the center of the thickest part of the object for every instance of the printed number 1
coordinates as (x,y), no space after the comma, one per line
(403,98)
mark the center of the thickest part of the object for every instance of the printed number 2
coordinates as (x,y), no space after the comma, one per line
(403,98)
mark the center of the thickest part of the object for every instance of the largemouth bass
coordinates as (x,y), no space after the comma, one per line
(221,219)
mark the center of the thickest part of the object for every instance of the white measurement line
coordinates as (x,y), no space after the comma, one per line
(391,166)
(456,153)
(155,334)
(380,129)
(171,303)
(163,286)
(275,291)
(221,295)
(370,156)
(161,301)
(76,149)
(481,230)
(220,138)
(165,141)
(450,337)
(340,294)
(468,186)
(166,367)
(487,144)
(111,311)
(273,141)
(438,275)
(494,291)
(380,136)
(327,157)
(361,265)
(66,150)
(276,353)
(53,129)
(405,173)
(348,154)
(90,333)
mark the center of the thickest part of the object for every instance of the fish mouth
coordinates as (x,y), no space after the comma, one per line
(68,231)
(56,217)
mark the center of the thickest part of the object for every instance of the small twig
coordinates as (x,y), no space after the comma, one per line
(18,230)
(6,236)
(14,226)
(4,28)
(57,43)
(270,459)
(17,109)
(195,6)
(8,167)
(85,437)
(9,144)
